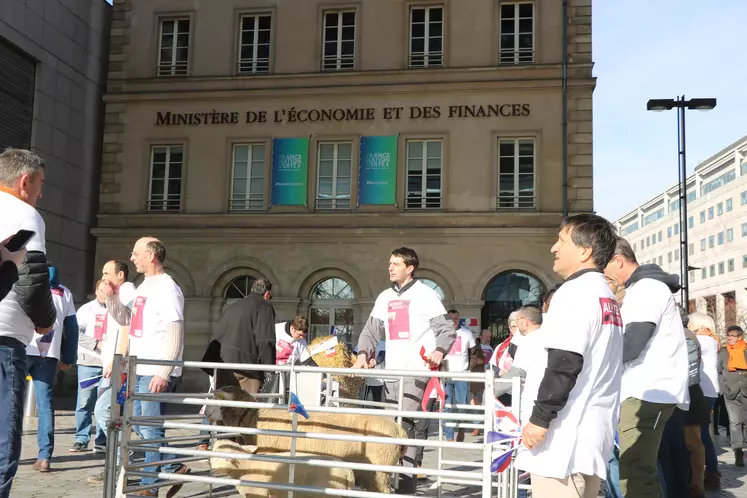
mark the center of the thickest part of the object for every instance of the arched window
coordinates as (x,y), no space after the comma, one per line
(507,292)
(433,285)
(239,288)
(331,311)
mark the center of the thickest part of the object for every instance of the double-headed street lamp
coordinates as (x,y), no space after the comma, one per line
(681,105)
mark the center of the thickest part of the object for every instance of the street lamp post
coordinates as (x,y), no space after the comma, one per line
(681,105)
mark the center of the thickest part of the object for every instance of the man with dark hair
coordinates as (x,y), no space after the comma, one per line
(529,323)
(28,307)
(245,334)
(570,433)
(290,341)
(457,360)
(655,362)
(410,317)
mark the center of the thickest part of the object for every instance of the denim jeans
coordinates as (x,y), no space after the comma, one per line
(12,393)
(153,409)
(43,371)
(84,410)
(674,459)
(102,411)
(705,436)
(456,392)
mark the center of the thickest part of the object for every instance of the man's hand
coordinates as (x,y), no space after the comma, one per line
(158,384)
(15,257)
(372,363)
(435,359)
(44,330)
(360,361)
(110,289)
(532,435)
(107,371)
(64,367)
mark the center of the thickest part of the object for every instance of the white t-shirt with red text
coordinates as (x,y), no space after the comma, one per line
(407,325)
(96,322)
(49,345)
(288,349)
(458,357)
(158,302)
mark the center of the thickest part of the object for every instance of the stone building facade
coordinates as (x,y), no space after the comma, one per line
(304,140)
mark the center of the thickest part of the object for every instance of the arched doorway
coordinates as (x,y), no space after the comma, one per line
(331,311)
(505,293)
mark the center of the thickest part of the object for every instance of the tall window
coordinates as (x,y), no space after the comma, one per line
(165,178)
(702,216)
(334,176)
(516,173)
(248,182)
(339,41)
(254,44)
(426,36)
(331,310)
(173,53)
(517,33)
(730,265)
(729,234)
(729,205)
(424,164)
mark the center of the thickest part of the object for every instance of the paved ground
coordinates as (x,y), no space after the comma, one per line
(70,470)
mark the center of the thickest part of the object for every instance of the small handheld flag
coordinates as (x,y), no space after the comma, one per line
(89,383)
(433,385)
(122,394)
(503,461)
(295,406)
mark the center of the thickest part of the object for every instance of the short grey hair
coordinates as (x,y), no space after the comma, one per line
(14,163)
(624,249)
(698,320)
(261,286)
(531,313)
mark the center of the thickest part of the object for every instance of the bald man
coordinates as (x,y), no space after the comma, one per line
(156,328)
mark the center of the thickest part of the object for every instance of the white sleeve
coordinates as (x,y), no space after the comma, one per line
(82,315)
(35,223)
(570,321)
(173,309)
(643,302)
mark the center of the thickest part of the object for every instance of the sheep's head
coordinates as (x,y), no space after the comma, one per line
(228,415)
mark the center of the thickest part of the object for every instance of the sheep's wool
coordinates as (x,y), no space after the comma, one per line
(338,357)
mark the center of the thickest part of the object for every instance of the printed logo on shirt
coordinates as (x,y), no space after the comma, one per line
(610,312)
(399,320)
(283,351)
(457,347)
(136,320)
(99,330)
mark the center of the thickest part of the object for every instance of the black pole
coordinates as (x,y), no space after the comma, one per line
(681,230)
(683,207)
(564,125)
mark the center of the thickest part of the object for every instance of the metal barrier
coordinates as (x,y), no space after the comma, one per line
(120,428)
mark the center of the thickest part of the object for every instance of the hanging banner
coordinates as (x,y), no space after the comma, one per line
(377,177)
(290,171)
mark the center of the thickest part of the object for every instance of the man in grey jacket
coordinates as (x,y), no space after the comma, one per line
(409,316)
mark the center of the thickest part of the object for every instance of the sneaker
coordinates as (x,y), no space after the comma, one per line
(99,448)
(78,448)
(97,478)
(173,490)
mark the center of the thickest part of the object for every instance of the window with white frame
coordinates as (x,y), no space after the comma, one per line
(426,36)
(516,174)
(721,268)
(702,244)
(334,176)
(255,32)
(516,44)
(173,49)
(339,41)
(702,216)
(729,234)
(248,179)
(165,178)
(703,273)
(730,265)
(331,311)
(424,166)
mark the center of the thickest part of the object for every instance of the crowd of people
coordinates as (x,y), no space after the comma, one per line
(618,381)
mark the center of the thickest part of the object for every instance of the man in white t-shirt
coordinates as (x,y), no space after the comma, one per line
(45,354)
(532,350)
(409,316)
(570,433)
(458,361)
(156,332)
(290,341)
(655,367)
(28,307)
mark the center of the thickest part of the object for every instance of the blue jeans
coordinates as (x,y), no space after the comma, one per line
(705,434)
(12,393)
(102,411)
(674,459)
(84,410)
(456,392)
(153,409)
(43,371)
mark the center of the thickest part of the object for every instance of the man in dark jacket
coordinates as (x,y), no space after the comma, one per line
(28,307)
(246,334)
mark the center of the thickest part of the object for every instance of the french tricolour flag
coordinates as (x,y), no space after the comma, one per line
(469,322)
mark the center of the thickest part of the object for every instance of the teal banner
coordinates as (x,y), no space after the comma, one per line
(290,171)
(377,176)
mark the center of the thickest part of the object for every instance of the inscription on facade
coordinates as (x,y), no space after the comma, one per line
(293,115)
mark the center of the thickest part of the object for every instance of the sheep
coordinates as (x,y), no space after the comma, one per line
(349,451)
(271,472)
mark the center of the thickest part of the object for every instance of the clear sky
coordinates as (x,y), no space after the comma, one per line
(660,49)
